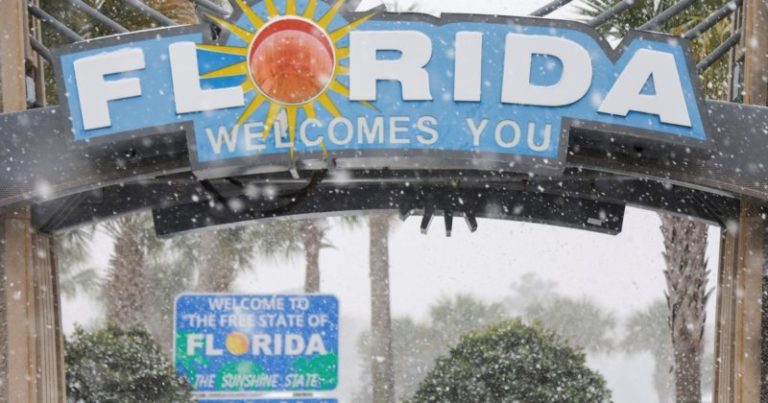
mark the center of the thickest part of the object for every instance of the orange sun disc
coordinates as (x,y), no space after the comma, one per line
(237,343)
(291,60)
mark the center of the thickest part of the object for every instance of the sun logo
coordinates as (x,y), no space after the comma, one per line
(237,343)
(292,60)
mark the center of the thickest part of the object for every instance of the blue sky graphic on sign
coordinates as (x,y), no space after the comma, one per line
(249,343)
(501,87)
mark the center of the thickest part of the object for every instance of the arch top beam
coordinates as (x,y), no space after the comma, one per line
(40,163)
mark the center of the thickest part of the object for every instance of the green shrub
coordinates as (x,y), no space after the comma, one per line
(120,365)
(512,362)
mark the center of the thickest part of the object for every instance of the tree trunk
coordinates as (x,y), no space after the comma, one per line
(312,237)
(215,274)
(685,242)
(126,288)
(382,364)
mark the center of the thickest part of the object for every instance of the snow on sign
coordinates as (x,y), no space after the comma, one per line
(309,81)
(256,343)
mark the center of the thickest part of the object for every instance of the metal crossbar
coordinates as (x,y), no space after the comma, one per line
(709,22)
(96,15)
(675,9)
(656,23)
(208,5)
(151,13)
(54,23)
(550,8)
(607,15)
(41,50)
(721,50)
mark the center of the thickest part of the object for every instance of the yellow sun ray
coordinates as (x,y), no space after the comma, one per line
(342,53)
(250,14)
(274,110)
(240,32)
(237,69)
(248,85)
(309,109)
(290,7)
(328,17)
(340,88)
(271,8)
(343,31)
(229,50)
(257,101)
(325,149)
(342,70)
(292,112)
(328,104)
(309,12)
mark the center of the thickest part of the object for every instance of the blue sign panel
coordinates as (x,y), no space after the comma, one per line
(303,80)
(256,343)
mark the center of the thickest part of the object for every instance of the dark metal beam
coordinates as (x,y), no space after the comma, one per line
(489,203)
(607,15)
(98,16)
(181,190)
(716,54)
(38,47)
(57,25)
(550,8)
(727,9)
(151,13)
(657,21)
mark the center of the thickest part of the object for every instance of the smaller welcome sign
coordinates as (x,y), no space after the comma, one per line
(257,343)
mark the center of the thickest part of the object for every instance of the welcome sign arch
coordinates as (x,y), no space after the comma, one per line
(342,111)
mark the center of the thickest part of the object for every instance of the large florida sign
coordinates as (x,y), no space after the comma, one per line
(305,81)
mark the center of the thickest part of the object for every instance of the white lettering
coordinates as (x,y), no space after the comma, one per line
(374,134)
(95,92)
(228,137)
(668,102)
(476,131)
(394,129)
(500,131)
(188,94)
(468,76)
(332,131)
(545,142)
(574,82)
(366,69)
(426,125)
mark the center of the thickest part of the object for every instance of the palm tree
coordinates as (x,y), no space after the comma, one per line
(312,233)
(685,240)
(72,254)
(125,291)
(222,254)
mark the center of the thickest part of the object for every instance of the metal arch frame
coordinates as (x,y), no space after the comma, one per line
(715,198)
